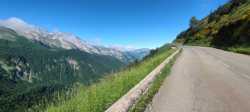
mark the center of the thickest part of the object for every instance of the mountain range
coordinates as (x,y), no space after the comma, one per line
(69,41)
(35,63)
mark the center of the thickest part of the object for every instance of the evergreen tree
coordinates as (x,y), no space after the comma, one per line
(193,22)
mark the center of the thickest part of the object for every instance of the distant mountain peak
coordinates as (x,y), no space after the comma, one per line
(67,40)
(16,20)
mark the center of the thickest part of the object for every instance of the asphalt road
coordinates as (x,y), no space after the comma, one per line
(206,80)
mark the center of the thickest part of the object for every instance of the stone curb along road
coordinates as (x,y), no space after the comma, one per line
(126,101)
(205,79)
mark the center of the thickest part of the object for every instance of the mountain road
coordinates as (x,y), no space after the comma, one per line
(205,80)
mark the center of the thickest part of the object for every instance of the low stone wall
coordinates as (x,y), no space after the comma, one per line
(126,101)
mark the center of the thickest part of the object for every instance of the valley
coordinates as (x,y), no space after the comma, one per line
(32,69)
(204,69)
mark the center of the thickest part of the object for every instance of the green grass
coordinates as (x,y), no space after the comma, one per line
(99,96)
(43,71)
(146,98)
(242,50)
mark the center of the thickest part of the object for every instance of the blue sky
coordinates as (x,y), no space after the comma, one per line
(130,23)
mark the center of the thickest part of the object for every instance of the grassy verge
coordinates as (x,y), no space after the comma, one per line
(146,99)
(99,96)
(242,50)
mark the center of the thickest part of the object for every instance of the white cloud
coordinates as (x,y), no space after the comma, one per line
(123,47)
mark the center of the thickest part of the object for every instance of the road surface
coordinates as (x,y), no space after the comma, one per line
(206,80)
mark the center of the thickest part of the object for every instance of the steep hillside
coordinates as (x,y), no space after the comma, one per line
(99,96)
(29,71)
(35,63)
(228,28)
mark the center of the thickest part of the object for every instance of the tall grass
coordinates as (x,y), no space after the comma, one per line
(147,97)
(99,96)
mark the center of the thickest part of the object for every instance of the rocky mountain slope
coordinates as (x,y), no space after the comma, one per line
(68,41)
(34,63)
(228,28)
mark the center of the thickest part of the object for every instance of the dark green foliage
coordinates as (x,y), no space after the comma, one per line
(236,3)
(240,49)
(227,27)
(225,9)
(193,22)
(30,71)
(215,16)
(237,33)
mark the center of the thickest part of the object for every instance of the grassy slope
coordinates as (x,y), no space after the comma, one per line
(99,96)
(227,28)
(240,49)
(145,99)
(48,68)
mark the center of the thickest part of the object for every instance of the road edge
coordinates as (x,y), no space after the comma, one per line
(131,97)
